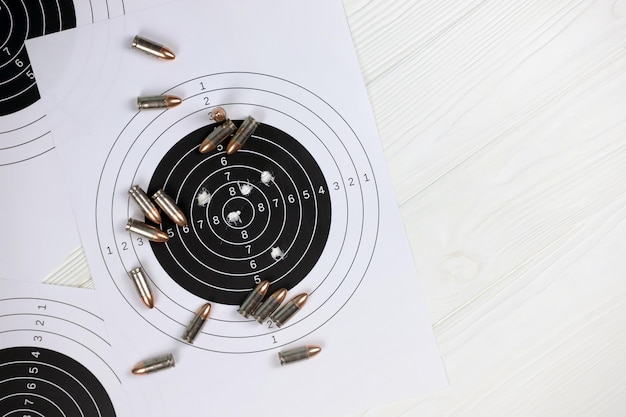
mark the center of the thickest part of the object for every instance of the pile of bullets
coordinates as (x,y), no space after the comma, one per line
(253,304)
(150,210)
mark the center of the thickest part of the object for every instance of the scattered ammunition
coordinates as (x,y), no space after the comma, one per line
(145,204)
(170,208)
(152,48)
(155,364)
(298,354)
(288,310)
(242,134)
(138,275)
(194,327)
(158,102)
(253,300)
(218,114)
(147,231)
(270,305)
(217,136)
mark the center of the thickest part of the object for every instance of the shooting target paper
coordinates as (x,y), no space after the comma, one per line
(305,204)
(28,166)
(55,358)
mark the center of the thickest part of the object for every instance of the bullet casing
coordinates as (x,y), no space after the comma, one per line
(158,102)
(195,325)
(170,208)
(217,136)
(270,305)
(298,354)
(253,300)
(284,313)
(147,231)
(145,204)
(140,279)
(152,48)
(158,363)
(242,134)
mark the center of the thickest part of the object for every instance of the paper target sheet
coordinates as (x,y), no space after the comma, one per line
(29,167)
(55,357)
(305,204)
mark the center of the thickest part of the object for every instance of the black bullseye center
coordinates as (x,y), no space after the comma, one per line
(238,213)
(229,243)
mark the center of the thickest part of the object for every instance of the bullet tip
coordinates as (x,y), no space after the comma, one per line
(148,300)
(262,287)
(232,147)
(313,350)
(167,54)
(279,295)
(139,369)
(173,101)
(154,216)
(300,300)
(206,147)
(204,311)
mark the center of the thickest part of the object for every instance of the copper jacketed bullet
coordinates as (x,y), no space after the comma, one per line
(270,305)
(287,311)
(147,231)
(138,275)
(218,114)
(158,102)
(242,134)
(298,354)
(217,136)
(145,204)
(152,48)
(155,364)
(195,325)
(169,207)
(253,300)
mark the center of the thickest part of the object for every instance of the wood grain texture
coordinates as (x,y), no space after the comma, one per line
(504,126)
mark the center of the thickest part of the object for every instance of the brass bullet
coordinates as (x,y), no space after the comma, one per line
(138,275)
(147,231)
(270,305)
(253,300)
(155,364)
(170,208)
(195,325)
(284,313)
(152,48)
(242,134)
(298,354)
(217,136)
(218,114)
(158,102)
(145,204)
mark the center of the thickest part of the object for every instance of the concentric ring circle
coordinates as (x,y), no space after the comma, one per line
(48,383)
(24,132)
(54,361)
(345,177)
(249,230)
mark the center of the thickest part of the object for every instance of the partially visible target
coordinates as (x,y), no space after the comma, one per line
(54,360)
(24,133)
(288,208)
(21,20)
(44,382)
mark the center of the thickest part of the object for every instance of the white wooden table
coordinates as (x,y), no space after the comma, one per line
(504,126)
